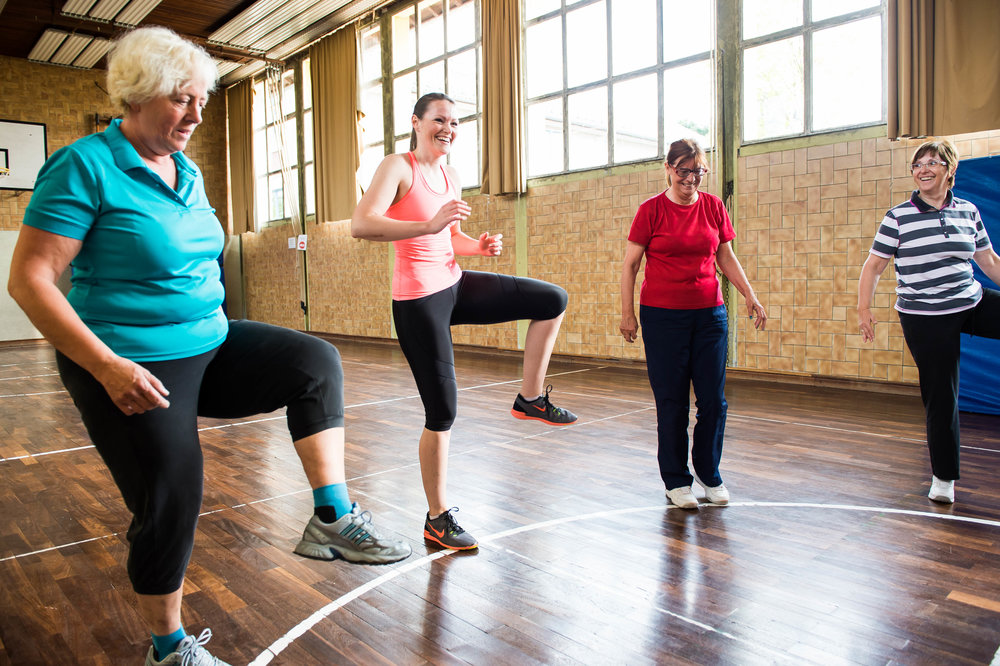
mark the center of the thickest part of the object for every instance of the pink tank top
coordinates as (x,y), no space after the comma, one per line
(425,264)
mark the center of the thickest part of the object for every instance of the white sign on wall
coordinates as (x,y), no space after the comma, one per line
(23,149)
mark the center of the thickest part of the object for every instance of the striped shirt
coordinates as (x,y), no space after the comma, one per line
(932,251)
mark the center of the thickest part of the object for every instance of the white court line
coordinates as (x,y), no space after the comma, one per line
(302,627)
(10,379)
(28,395)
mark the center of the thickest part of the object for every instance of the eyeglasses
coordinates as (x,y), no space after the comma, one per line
(916,166)
(684,173)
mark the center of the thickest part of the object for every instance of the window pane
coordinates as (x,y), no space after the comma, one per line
(403,145)
(462,74)
(260,153)
(371,124)
(404,97)
(273,149)
(858,69)
(687,103)
(762,17)
(545,138)
(307,132)
(262,195)
(533,8)
(288,93)
(822,9)
(586,45)
(371,54)
(432,78)
(290,142)
(307,96)
(773,90)
(258,105)
(310,190)
(461,23)
(588,128)
(636,115)
(543,57)
(431,29)
(465,153)
(371,157)
(276,201)
(404,40)
(633,35)
(690,36)
(292,193)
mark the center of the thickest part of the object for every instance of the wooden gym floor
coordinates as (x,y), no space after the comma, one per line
(830,552)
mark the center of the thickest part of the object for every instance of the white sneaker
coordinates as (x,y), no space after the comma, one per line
(682,497)
(717,495)
(942,491)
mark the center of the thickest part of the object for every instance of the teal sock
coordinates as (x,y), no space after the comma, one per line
(164,645)
(334,495)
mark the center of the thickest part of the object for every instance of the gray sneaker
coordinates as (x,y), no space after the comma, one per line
(190,652)
(352,537)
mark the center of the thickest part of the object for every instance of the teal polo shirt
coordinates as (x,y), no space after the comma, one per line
(147,279)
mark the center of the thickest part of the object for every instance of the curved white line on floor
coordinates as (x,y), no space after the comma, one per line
(277,646)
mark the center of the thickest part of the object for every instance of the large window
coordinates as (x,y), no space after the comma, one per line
(811,66)
(614,81)
(283,145)
(434,46)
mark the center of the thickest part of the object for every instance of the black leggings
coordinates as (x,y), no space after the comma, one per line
(423,326)
(155,457)
(935,345)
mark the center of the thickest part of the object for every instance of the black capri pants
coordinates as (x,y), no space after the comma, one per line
(423,326)
(155,457)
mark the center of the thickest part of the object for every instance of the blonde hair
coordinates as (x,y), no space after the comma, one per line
(944,149)
(683,150)
(153,61)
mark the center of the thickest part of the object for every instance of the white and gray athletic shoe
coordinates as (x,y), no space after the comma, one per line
(352,537)
(190,651)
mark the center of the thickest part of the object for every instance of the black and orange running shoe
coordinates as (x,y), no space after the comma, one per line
(541,409)
(445,531)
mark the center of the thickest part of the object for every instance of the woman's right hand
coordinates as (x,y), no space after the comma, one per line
(866,323)
(629,327)
(455,210)
(132,388)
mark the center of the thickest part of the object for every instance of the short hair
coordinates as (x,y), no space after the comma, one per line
(420,108)
(944,149)
(153,61)
(681,151)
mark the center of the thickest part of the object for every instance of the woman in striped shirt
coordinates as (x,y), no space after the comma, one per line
(933,239)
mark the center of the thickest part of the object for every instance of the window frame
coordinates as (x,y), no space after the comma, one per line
(298,114)
(807,30)
(659,67)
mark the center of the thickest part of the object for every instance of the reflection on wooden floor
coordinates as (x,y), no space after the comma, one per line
(830,553)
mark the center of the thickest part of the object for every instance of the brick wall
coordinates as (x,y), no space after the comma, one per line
(807,218)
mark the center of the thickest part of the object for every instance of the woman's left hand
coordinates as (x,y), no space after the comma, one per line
(490,246)
(756,311)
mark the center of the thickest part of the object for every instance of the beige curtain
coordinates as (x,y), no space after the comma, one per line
(239,105)
(336,124)
(944,67)
(503,121)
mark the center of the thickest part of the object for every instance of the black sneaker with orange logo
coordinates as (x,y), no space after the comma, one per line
(445,531)
(540,409)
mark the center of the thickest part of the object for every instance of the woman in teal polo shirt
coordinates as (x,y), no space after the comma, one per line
(141,340)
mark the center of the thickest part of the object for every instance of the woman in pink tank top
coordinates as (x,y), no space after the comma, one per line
(414,201)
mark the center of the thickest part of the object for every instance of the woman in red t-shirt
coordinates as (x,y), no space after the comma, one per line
(684,234)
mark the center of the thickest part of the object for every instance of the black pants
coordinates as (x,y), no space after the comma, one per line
(685,348)
(155,458)
(423,326)
(935,345)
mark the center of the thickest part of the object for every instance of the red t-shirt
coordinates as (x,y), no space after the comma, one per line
(681,242)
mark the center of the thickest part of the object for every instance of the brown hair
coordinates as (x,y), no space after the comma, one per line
(420,108)
(683,150)
(944,149)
